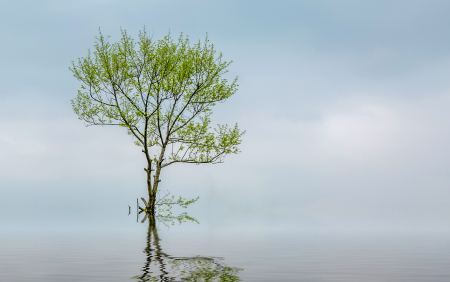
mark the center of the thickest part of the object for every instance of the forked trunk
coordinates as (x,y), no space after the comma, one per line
(152,196)
(152,189)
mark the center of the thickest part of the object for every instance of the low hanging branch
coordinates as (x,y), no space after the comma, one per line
(162,92)
(164,206)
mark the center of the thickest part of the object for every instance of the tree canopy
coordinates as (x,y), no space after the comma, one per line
(162,92)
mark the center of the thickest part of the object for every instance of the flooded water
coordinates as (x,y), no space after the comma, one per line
(128,250)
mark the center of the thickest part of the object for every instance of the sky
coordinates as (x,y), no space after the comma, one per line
(345,104)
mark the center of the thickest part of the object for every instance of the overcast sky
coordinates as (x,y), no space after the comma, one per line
(345,104)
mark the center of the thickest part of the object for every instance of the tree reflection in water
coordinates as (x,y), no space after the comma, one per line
(162,267)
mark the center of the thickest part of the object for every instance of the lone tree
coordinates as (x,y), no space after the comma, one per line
(162,92)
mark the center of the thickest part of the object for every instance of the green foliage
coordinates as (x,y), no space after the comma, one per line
(162,92)
(164,206)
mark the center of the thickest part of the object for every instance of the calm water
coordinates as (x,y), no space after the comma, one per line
(133,251)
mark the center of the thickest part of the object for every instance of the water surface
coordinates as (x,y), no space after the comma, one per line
(133,251)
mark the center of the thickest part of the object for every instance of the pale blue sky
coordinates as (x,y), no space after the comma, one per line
(345,104)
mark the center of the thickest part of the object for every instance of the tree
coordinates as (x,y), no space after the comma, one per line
(162,92)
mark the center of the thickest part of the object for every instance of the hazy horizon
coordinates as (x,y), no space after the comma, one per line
(345,106)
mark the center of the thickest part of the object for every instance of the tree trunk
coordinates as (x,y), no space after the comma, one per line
(151,203)
(149,189)
(152,192)
(153,189)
